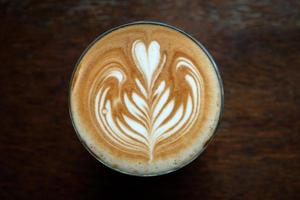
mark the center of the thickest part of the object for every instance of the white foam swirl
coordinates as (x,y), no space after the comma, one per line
(153,114)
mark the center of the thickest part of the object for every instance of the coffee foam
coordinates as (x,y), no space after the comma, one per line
(145,99)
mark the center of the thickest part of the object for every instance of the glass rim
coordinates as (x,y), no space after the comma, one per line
(202,47)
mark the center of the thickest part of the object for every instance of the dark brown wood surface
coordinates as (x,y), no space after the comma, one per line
(256,153)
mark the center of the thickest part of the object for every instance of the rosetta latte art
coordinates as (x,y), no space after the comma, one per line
(149,114)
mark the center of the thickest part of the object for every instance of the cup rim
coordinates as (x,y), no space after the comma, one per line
(202,47)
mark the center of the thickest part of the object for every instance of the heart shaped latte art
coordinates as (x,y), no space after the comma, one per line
(147,60)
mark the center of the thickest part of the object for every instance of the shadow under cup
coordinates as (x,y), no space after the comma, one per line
(157,172)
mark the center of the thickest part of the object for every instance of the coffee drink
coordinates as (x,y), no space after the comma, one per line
(145,98)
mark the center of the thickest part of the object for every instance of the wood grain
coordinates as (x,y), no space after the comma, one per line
(255,154)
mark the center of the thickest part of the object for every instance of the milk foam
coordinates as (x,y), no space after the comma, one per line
(148,118)
(152,117)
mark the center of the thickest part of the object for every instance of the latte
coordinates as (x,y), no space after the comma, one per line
(145,98)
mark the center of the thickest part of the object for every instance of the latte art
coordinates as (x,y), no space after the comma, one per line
(154,114)
(145,99)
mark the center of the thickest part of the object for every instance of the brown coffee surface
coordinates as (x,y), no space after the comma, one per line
(145,99)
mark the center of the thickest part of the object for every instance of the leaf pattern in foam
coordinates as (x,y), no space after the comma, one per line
(162,99)
(132,108)
(179,124)
(132,134)
(141,88)
(140,102)
(165,112)
(135,126)
(160,89)
(103,118)
(117,135)
(152,114)
(170,124)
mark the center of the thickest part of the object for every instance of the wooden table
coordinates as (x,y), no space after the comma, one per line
(256,153)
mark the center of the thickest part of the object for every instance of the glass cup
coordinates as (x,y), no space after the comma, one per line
(201,47)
